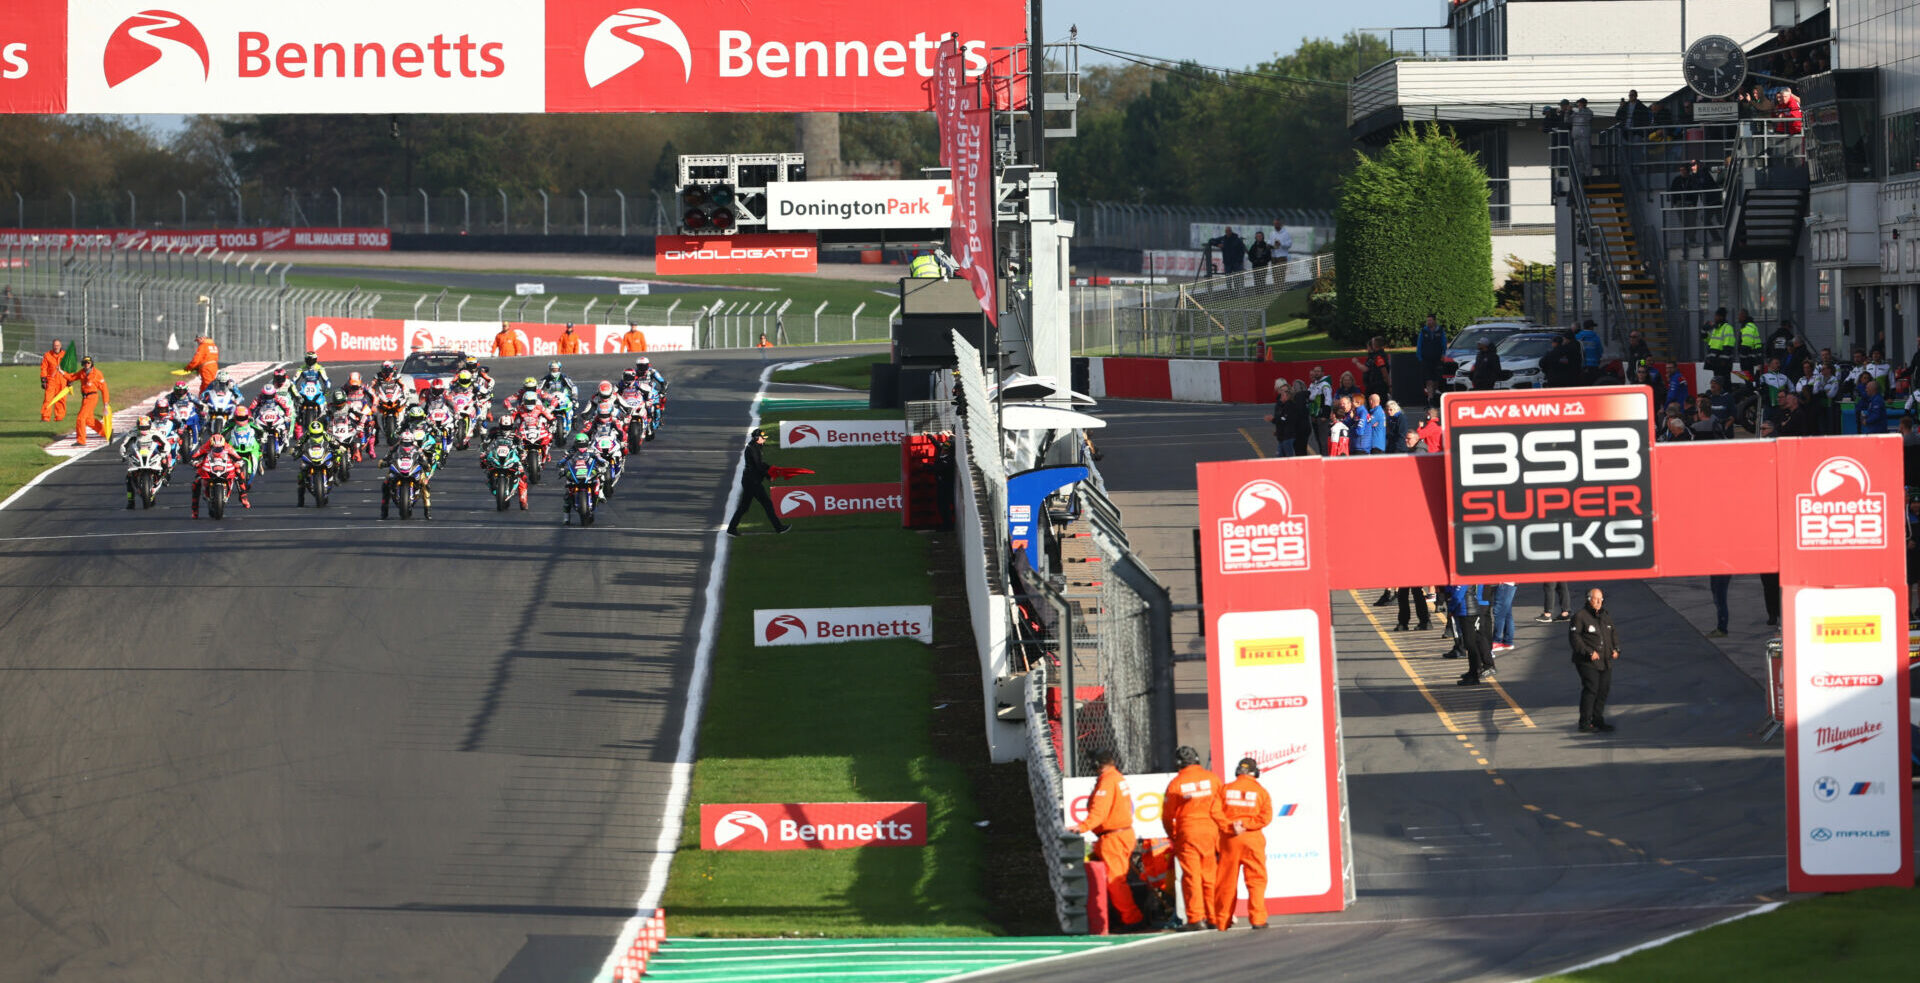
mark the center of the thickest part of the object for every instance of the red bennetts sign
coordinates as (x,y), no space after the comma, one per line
(771,252)
(805,501)
(812,825)
(278,239)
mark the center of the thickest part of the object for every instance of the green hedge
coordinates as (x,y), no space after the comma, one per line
(1414,239)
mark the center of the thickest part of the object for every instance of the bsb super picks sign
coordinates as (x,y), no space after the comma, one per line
(1547,482)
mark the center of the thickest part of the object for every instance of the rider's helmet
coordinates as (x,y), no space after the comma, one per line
(580,441)
(241,413)
(216,442)
(506,419)
(530,382)
(386,369)
(268,391)
(224,379)
(353,380)
(530,400)
(643,363)
(280,376)
(629,375)
(145,424)
(465,378)
(179,390)
(605,412)
(310,360)
(470,364)
(336,397)
(553,369)
(160,405)
(316,429)
(606,388)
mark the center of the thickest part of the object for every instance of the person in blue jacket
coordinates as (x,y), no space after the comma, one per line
(1474,640)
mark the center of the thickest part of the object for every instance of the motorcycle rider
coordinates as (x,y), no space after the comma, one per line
(144,439)
(410,441)
(216,450)
(604,396)
(385,372)
(271,393)
(582,451)
(502,436)
(311,363)
(644,366)
(244,436)
(556,380)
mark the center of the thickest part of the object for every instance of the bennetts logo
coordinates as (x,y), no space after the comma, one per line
(736,824)
(1264,534)
(784,623)
(1842,512)
(620,42)
(153,37)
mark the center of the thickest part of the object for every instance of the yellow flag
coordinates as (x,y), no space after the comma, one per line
(107,421)
(181,372)
(64,390)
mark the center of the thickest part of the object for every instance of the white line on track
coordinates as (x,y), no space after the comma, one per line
(358,527)
(1656,943)
(1129,946)
(676,805)
(1555,913)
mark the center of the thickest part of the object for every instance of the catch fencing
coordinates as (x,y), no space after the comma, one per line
(1213,317)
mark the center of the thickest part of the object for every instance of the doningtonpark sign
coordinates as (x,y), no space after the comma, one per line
(488,56)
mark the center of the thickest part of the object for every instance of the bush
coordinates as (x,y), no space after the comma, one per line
(1414,239)
(1322,308)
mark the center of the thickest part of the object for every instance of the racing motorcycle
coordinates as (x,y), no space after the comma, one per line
(408,475)
(504,471)
(220,404)
(560,404)
(534,437)
(147,465)
(463,418)
(344,432)
(316,469)
(607,444)
(582,486)
(639,418)
(309,401)
(186,422)
(217,478)
(390,400)
(271,418)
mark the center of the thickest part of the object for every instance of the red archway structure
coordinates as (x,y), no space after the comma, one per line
(1562,485)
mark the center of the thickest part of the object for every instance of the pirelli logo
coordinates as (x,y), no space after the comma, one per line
(1850,630)
(1270,652)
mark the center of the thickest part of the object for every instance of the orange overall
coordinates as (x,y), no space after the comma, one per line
(93,395)
(570,344)
(1110,816)
(206,359)
(635,340)
(1193,817)
(1246,802)
(53,405)
(506,344)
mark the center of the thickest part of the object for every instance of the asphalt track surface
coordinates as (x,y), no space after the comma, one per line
(1491,841)
(498,282)
(310,745)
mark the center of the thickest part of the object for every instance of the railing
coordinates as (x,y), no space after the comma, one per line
(1226,313)
(471,211)
(1118,225)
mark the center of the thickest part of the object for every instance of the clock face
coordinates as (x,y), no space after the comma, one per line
(1715,67)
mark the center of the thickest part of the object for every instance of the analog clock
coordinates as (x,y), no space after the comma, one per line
(1714,66)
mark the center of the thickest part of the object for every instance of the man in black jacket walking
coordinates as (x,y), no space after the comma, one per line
(753,486)
(1596,645)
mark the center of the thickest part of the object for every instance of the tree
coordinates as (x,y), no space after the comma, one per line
(1414,239)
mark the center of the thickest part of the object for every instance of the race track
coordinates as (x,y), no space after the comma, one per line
(311,745)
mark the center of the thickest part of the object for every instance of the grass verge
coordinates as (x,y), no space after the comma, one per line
(1864,935)
(830,723)
(853,372)
(23,441)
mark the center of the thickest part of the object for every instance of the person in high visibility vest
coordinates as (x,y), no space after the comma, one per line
(1749,342)
(1110,821)
(1249,809)
(924,267)
(206,361)
(635,340)
(507,344)
(1720,342)
(93,394)
(1192,814)
(570,343)
(53,384)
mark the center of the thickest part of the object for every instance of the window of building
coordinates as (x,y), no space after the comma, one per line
(1824,291)
(1903,144)
(1480,28)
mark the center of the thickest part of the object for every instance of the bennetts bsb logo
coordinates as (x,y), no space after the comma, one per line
(1263,534)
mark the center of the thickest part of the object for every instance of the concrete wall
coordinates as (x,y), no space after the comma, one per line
(1558,27)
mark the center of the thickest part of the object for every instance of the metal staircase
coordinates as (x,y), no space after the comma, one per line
(1767,198)
(1629,281)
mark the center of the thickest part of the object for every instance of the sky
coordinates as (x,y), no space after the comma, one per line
(1227,33)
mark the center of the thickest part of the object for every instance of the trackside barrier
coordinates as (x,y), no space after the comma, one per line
(646,943)
(1198,380)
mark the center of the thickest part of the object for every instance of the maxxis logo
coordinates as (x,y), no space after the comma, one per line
(794,500)
(619,43)
(151,37)
(735,824)
(783,624)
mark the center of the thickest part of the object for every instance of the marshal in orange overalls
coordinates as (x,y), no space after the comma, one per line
(1246,803)
(506,344)
(1193,817)
(93,395)
(635,340)
(53,382)
(206,359)
(570,343)
(1110,817)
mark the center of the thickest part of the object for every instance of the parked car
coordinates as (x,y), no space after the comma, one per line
(1465,345)
(1520,355)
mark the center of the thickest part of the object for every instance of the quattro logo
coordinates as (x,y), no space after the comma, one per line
(1837,680)
(1263,535)
(1270,652)
(1842,512)
(1270,703)
(620,42)
(151,37)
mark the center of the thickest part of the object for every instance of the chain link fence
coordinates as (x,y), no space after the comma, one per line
(470,211)
(121,305)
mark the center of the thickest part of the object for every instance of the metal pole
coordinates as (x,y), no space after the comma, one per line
(623,211)
(73,205)
(1069,752)
(339,210)
(506,227)
(383,208)
(426,212)
(816,321)
(545,213)
(183,208)
(133,210)
(585,229)
(1036,88)
(466,211)
(20,203)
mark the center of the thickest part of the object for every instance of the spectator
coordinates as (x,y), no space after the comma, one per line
(1396,429)
(1780,343)
(1476,635)
(1596,647)
(1430,346)
(1580,136)
(1303,419)
(1360,426)
(1560,366)
(1632,111)
(1798,354)
(1413,599)
(1676,385)
(1284,425)
(1638,354)
(1547,590)
(1338,432)
(1486,371)
(1377,419)
(1282,250)
(1374,368)
(1555,117)
(1259,255)
(1503,616)
(1429,432)
(1876,368)
(1348,387)
(1766,394)
(1705,425)
(1793,419)
(1717,585)
(1674,430)
(1590,351)
(1233,250)
(1872,411)
(1722,403)
(1320,400)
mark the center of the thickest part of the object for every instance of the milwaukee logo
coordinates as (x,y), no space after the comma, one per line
(1838,738)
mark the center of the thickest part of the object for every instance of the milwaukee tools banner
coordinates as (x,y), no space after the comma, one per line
(349,339)
(238,240)
(812,825)
(807,501)
(966,148)
(760,252)
(489,56)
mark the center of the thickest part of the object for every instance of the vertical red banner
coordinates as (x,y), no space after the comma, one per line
(966,150)
(33,57)
(1271,671)
(1842,528)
